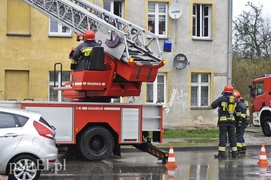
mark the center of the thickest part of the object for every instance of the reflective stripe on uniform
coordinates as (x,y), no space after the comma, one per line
(238,114)
(87,51)
(221,148)
(224,106)
(234,149)
(225,118)
(74,62)
(243,115)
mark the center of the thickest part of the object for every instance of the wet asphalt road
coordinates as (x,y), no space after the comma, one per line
(192,165)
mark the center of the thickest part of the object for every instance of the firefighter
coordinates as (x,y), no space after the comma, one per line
(241,124)
(83,51)
(228,105)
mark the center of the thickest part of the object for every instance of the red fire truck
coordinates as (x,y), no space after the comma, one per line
(118,68)
(260,91)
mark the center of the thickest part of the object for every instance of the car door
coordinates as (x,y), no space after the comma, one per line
(10,136)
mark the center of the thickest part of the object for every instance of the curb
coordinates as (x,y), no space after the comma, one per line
(194,148)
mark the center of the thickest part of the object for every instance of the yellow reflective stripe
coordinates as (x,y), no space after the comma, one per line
(243,115)
(224,106)
(87,51)
(234,148)
(224,118)
(239,144)
(73,62)
(221,148)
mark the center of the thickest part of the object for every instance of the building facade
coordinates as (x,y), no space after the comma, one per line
(194,75)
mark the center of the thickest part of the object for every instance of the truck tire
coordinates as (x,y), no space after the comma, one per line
(266,126)
(96,143)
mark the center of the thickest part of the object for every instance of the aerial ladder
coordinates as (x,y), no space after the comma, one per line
(120,66)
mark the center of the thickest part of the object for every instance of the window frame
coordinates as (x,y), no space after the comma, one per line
(201,17)
(156,14)
(155,89)
(59,32)
(112,7)
(200,84)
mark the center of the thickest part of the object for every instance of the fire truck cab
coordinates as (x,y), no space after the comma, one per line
(260,91)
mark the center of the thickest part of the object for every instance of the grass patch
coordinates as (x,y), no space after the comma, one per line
(190,142)
(193,133)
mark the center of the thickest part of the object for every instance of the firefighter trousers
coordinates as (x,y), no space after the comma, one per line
(240,141)
(226,129)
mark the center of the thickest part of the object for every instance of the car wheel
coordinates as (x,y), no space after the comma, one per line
(24,167)
(266,126)
(96,143)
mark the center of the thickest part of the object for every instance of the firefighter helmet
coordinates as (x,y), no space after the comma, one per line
(237,94)
(228,88)
(89,35)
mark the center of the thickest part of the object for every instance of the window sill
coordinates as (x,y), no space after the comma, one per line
(202,39)
(162,37)
(201,108)
(60,35)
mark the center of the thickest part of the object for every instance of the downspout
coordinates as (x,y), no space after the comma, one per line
(229,68)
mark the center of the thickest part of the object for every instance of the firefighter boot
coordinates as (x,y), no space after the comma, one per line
(239,150)
(220,155)
(233,154)
(243,150)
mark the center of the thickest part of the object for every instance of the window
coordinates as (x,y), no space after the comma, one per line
(22,119)
(156,91)
(56,29)
(7,121)
(57,95)
(115,7)
(202,21)
(157,18)
(200,89)
(259,88)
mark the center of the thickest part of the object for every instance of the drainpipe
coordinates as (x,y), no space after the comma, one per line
(229,68)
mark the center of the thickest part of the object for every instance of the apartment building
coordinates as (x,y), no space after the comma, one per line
(194,75)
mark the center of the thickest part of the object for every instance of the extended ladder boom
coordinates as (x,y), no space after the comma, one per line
(81,15)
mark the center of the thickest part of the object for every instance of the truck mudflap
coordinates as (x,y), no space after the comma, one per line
(153,150)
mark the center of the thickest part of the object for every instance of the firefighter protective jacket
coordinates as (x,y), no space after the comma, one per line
(223,103)
(84,50)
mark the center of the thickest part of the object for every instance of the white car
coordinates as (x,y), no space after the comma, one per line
(27,144)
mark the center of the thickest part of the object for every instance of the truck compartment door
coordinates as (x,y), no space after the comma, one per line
(130,125)
(61,118)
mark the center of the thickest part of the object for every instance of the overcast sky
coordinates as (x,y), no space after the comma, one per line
(239,6)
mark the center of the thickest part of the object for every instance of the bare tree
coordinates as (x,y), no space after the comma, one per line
(252,34)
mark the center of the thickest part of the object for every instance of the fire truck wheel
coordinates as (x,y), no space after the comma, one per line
(266,126)
(96,143)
